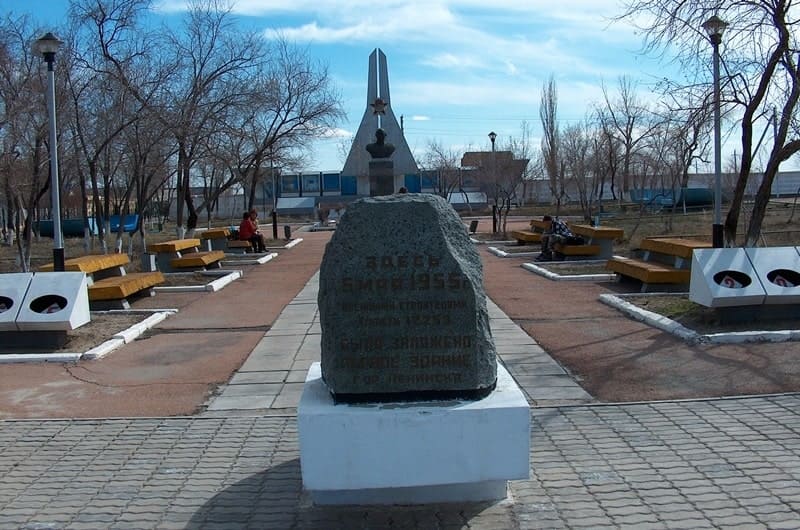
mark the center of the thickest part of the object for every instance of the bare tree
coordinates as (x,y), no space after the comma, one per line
(523,149)
(576,147)
(551,138)
(629,120)
(444,162)
(760,55)
(23,130)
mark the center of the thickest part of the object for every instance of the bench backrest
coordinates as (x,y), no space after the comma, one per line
(91,263)
(175,245)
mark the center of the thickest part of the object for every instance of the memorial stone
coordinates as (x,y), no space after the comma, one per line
(402,305)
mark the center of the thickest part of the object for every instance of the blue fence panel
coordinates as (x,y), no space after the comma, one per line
(128,223)
(413,184)
(349,185)
(330,181)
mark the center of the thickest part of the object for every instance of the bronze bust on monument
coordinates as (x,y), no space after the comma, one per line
(379,148)
(381,167)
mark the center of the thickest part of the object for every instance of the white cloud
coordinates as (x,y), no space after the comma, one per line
(337,132)
(420,118)
(453,61)
(511,68)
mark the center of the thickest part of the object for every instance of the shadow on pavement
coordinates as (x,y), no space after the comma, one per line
(275,499)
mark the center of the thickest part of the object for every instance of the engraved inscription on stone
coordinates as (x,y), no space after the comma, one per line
(401,301)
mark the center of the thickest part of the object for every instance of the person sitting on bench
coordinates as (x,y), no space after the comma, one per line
(248,231)
(556,231)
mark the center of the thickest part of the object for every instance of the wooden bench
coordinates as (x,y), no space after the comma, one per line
(648,272)
(183,254)
(665,262)
(237,246)
(110,285)
(676,250)
(198,260)
(602,237)
(534,235)
(96,266)
(122,287)
(577,250)
(216,238)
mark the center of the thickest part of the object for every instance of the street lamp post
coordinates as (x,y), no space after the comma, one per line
(715,27)
(493,137)
(274,197)
(47,46)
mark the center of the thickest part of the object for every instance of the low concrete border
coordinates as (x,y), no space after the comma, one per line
(225,277)
(532,267)
(670,326)
(254,261)
(290,244)
(116,341)
(500,253)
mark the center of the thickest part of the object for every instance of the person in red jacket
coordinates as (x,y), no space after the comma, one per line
(248,231)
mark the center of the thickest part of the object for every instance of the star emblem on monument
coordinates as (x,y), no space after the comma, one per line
(379,106)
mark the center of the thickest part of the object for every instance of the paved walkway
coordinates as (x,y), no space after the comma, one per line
(698,464)
(723,463)
(271,379)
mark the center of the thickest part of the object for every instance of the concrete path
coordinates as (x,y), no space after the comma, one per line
(271,379)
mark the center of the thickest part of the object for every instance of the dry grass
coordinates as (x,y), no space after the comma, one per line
(42,249)
(703,319)
(779,228)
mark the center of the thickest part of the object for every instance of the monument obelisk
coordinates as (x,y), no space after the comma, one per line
(378,115)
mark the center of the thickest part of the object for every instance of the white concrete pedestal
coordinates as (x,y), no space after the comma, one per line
(412,453)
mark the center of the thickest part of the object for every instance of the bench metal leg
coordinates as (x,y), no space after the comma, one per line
(105,305)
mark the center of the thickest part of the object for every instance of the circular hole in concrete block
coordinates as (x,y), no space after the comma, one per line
(5,303)
(732,279)
(784,277)
(49,303)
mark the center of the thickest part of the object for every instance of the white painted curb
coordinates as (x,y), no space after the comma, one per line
(104,349)
(128,335)
(219,283)
(257,261)
(117,341)
(670,326)
(532,267)
(39,358)
(293,242)
(213,286)
(503,254)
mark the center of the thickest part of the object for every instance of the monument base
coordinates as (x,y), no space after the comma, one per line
(381,177)
(412,453)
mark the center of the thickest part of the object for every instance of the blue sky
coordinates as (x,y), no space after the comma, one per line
(457,69)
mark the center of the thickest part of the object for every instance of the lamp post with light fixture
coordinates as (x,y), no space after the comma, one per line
(492,138)
(47,46)
(715,27)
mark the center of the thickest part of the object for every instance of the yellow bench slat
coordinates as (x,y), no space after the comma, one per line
(526,235)
(577,250)
(647,271)
(673,246)
(119,287)
(215,233)
(175,245)
(198,259)
(598,232)
(91,263)
(239,244)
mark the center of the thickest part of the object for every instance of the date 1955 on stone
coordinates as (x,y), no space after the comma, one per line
(438,281)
